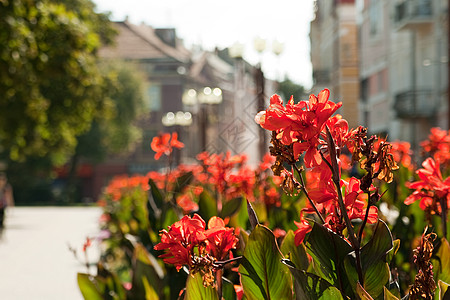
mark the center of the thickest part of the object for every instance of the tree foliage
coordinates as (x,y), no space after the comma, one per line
(50,85)
(288,88)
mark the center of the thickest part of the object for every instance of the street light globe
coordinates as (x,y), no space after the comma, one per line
(189,97)
(236,50)
(259,44)
(277,47)
(168,119)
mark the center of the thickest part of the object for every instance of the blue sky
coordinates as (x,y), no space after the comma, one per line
(223,23)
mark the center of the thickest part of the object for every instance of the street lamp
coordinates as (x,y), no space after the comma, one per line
(179,118)
(205,97)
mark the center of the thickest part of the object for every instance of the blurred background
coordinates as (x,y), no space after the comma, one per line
(86,84)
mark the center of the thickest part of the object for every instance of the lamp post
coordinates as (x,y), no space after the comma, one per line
(204,98)
(179,119)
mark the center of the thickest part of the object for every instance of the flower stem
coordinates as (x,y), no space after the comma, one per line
(361,229)
(302,187)
(336,180)
(219,283)
(444,216)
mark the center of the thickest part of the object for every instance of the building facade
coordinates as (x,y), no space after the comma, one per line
(404,73)
(335,56)
(399,85)
(217,93)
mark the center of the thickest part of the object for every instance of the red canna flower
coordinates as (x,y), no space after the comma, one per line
(300,233)
(430,187)
(221,239)
(164,144)
(87,244)
(181,239)
(186,203)
(438,146)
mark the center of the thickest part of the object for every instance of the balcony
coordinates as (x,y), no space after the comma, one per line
(415,104)
(413,14)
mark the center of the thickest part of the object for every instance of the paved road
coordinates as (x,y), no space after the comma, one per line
(35,260)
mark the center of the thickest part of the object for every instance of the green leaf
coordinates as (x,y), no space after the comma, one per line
(376,277)
(154,205)
(183,181)
(228,291)
(252,215)
(390,255)
(388,295)
(444,292)
(207,205)
(376,271)
(362,293)
(443,254)
(195,289)
(90,287)
(263,276)
(156,194)
(296,254)
(328,251)
(240,219)
(147,275)
(378,246)
(168,217)
(231,207)
(309,286)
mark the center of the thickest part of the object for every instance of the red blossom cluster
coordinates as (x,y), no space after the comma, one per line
(305,131)
(188,243)
(438,146)
(164,144)
(232,178)
(122,184)
(431,189)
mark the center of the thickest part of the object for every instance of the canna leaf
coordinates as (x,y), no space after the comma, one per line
(297,255)
(263,276)
(207,205)
(182,181)
(252,215)
(328,251)
(195,289)
(362,293)
(309,286)
(147,275)
(388,295)
(91,288)
(376,271)
(230,207)
(442,269)
(444,292)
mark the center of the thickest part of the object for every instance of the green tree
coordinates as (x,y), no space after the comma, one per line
(50,85)
(288,88)
(117,132)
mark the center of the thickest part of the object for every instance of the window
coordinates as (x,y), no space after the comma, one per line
(154,97)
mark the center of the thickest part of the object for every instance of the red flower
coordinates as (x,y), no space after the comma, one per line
(300,233)
(181,239)
(186,203)
(87,244)
(163,144)
(299,124)
(430,186)
(221,239)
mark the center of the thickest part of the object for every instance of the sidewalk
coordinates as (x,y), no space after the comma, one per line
(35,261)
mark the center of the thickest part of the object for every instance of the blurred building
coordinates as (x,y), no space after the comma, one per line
(402,50)
(213,95)
(334,54)
(404,73)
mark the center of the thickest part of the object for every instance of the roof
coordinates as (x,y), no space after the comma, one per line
(141,42)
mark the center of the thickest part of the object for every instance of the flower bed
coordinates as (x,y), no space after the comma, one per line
(331,213)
